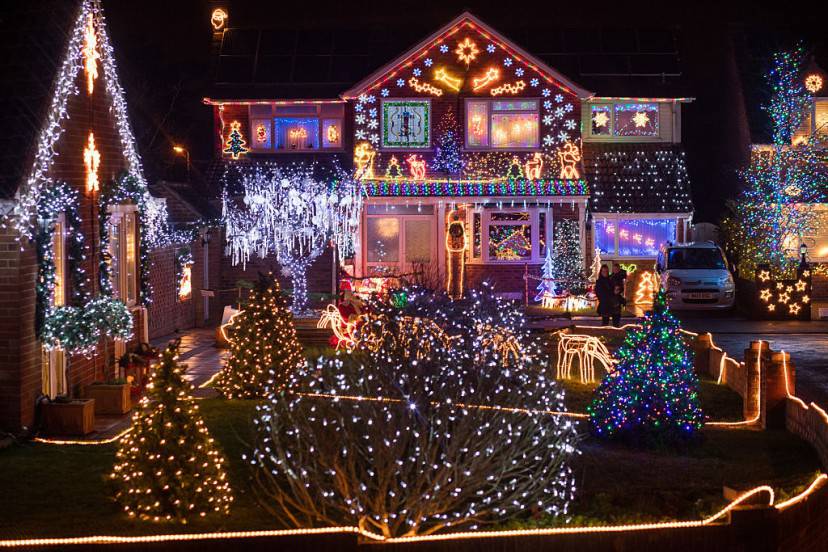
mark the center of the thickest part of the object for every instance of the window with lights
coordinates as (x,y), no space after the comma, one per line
(399,238)
(296,127)
(502,124)
(515,235)
(629,237)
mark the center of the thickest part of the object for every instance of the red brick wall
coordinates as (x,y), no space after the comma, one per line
(167,313)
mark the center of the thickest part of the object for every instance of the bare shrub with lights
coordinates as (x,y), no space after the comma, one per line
(168,468)
(442,419)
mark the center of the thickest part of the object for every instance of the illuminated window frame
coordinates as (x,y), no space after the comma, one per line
(383,146)
(682,229)
(124,221)
(665,126)
(481,255)
(401,265)
(270,112)
(489,113)
(53,361)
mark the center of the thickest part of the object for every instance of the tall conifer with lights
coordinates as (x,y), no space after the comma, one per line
(782,181)
(653,395)
(569,260)
(264,350)
(168,468)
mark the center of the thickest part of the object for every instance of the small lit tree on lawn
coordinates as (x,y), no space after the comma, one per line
(168,468)
(653,395)
(417,433)
(264,350)
(546,287)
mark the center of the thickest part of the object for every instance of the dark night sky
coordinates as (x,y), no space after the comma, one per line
(164,54)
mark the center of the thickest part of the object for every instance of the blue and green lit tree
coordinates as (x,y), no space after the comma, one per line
(447,150)
(774,211)
(653,395)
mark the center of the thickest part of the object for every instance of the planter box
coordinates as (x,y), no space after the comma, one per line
(110,399)
(71,418)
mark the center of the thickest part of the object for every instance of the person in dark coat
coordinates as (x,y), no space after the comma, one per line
(619,277)
(605,291)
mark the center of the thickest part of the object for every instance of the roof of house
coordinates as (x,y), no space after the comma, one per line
(279,58)
(640,178)
(33,39)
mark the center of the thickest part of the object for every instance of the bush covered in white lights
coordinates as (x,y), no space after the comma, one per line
(443,418)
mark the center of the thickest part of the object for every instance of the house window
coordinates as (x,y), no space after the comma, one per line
(406,124)
(502,124)
(53,365)
(636,119)
(510,235)
(296,127)
(601,120)
(633,237)
(123,254)
(399,238)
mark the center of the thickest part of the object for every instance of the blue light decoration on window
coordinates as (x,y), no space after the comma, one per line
(605,235)
(295,133)
(643,237)
(636,119)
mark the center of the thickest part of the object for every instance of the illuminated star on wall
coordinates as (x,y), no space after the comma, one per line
(641,119)
(466,51)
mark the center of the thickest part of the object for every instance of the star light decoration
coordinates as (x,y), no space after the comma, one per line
(370,439)
(784,297)
(466,51)
(601,119)
(292,213)
(641,119)
(813,83)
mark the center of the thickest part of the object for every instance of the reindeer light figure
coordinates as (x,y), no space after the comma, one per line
(342,329)
(587,349)
(364,160)
(533,167)
(569,156)
(417,166)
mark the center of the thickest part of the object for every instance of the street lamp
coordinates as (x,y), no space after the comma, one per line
(803,256)
(181,150)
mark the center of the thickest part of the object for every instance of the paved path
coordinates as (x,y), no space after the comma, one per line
(198,352)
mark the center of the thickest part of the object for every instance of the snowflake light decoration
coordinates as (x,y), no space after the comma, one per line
(400,83)
(384,92)
(546,93)
(507,62)
(428,62)
(559,98)
(519,71)
(641,119)
(417,72)
(570,124)
(491,48)
(534,82)
(444,49)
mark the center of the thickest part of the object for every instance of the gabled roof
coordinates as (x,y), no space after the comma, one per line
(465,20)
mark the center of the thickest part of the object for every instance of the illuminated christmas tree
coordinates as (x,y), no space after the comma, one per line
(235,141)
(783,181)
(168,468)
(515,170)
(546,288)
(264,350)
(569,260)
(447,150)
(653,395)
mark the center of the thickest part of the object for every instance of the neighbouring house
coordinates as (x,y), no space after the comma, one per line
(79,222)
(464,128)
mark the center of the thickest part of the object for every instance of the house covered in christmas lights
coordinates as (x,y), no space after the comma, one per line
(471,151)
(80,229)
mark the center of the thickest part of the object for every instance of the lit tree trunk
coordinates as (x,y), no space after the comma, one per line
(297,267)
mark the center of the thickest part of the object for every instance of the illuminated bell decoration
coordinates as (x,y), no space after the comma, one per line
(90,54)
(813,83)
(466,51)
(416,166)
(218,19)
(569,156)
(442,75)
(91,161)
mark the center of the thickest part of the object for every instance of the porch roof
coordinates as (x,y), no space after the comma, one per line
(476,188)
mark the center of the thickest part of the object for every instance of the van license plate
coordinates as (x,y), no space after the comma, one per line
(700,295)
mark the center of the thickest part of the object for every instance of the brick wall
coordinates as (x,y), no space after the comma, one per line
(167,313)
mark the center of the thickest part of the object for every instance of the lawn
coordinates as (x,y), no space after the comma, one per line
(53,490)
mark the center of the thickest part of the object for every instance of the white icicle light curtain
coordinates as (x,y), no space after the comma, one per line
(289,212)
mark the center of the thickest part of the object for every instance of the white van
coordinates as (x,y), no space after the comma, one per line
(695,276)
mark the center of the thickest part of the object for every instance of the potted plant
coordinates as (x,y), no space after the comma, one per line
(65,415)
(111,397)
